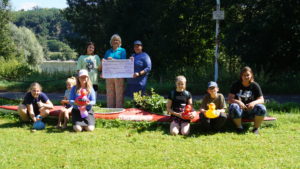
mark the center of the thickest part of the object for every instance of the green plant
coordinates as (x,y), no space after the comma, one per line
(12,69)
(153,103)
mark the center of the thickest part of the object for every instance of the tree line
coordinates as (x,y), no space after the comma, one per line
(178,35)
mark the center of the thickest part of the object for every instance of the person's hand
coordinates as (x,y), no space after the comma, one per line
(242,105)
(131,58)
(40,104)
(63,102)
(101,76)
(109,58)
(250,106)
(192,114)
(179,114)
(136,75)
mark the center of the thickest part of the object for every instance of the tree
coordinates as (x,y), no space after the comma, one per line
(28,45)
(175,33)
(264,34)
(7,48)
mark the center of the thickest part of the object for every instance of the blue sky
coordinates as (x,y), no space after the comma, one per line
(28,4)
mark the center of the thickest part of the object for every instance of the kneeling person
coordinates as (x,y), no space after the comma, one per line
(35,103)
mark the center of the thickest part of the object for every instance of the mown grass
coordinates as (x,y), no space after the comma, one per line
(120,144)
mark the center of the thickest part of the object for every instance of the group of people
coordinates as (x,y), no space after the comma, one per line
(245,101)
(245,98)
(89,66)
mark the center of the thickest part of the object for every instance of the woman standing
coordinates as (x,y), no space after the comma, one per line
(115,86)
(91,63)
(79,123)
(142,67)
(246,100)
(35,103)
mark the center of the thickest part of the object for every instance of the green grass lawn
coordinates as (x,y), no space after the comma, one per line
(118,144)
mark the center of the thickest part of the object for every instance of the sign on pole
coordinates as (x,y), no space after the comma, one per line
(218,15)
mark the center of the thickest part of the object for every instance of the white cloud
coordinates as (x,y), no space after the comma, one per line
(28,5)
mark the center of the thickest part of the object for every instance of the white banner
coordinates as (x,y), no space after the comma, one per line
(117,68)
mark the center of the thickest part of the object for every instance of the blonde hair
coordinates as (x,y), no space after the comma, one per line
(71,80)
(89,85)
(115,36)
(180,78)
(33,85)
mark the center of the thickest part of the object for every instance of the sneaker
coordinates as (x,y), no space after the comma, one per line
(239,130)
(255,131)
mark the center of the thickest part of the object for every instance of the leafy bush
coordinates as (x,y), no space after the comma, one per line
(153,103)
(13,69)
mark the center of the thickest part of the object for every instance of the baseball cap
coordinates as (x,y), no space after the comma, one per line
(212,84)
(83,72)
(137,42)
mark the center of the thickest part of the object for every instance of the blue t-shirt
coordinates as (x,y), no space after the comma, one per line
(119,53)
(142,61)
(29,99)
(91,96)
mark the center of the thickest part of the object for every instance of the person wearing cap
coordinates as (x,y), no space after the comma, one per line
(115,86)
(213,96)
(83,82)
(91,63)
(142,68)
(246,101)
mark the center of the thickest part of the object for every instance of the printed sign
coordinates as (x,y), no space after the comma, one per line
(117,68)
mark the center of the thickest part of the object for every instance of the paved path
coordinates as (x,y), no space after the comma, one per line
(59,96)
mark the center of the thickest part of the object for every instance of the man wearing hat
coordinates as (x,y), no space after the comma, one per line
(218,99)
(142,67)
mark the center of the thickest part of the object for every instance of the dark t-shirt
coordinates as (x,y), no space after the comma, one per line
(29,99)
(246,94)
(179,100)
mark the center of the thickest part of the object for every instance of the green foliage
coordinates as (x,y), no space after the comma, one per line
(28,45)
(283,108)
(51,28)
(7,48)
(60,50)
(263,34)
(13,69)
(152,103)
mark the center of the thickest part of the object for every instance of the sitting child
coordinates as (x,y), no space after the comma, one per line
(66,110)
(218,99)
(177,100)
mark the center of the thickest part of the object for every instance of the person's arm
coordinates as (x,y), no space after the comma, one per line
(231,99)
(222,107)
(31,112)
(48,104)
(92,98)
(99,64)
(147,69)
(73,96)
(259,100)
(170,110)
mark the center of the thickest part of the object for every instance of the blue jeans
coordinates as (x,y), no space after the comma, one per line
(235,112)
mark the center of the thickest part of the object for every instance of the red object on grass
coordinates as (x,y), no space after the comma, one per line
(132,114)
(187,112)
(82,100)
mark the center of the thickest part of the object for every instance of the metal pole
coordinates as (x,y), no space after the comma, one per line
(217,44)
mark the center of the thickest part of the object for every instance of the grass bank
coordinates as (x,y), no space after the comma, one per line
(119,144)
